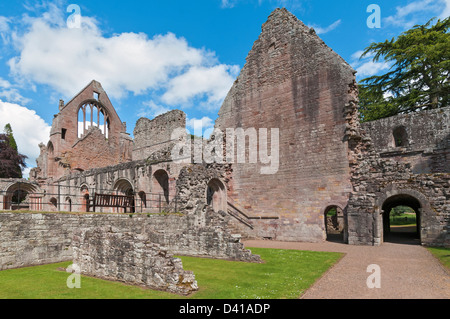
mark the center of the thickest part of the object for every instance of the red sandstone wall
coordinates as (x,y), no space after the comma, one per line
(294,82)
(93,150)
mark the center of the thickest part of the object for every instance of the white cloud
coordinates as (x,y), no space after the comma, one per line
(365,66)
(331,27)
(212,82)
(28,128)
(409,15)
(370,68)
(13,95)
(4,24)
(152,110)
(67,59)
(10,93)
(228,3)
(4,83)
(446,11)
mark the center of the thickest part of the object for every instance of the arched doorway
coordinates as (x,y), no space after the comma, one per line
(22,196)
(124,187)
(160,184)
(334,223)
(216,195)
(402,219)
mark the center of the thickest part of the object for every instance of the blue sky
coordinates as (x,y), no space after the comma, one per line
(155,56)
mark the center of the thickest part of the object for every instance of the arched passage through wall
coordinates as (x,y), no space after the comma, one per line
(124,187)
(402,219)
(334,223)
(216,195)
(160,186)
(22,196)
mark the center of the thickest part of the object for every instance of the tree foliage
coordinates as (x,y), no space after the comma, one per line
(418,78)
(8,131)
(11,162)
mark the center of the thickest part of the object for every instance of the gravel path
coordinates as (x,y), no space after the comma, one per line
(407,271)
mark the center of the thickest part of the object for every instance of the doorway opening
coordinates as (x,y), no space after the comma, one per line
(401,219)
(334,224)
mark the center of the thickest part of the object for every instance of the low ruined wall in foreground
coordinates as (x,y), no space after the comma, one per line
(28,239)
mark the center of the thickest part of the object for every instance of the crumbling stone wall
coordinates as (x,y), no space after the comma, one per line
(33,239)
(376,180)
(154,135)
(111,254)
(294,82)
(192,184)
(66,152)
(425,144)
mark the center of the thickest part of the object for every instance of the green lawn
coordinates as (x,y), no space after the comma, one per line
(403,220)
(284,274)
(443,254)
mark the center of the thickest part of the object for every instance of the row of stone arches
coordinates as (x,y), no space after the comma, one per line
(160,192)
(28,196)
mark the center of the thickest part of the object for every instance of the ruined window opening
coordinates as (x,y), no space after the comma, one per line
(92,115)
(96,96)
(63,133)
(50,148)
(400,137)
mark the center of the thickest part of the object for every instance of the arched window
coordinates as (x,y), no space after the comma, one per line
(92,114)
(400,137)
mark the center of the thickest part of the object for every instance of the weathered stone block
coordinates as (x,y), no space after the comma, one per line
(130,258)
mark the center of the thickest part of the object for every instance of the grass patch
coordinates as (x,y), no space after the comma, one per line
(443,254)
(286,274)
(405,219)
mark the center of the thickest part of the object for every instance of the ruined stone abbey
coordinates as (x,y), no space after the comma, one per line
(292,81)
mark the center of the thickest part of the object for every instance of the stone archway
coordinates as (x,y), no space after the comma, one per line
(22,196)
(216,195)
(124,187)
(405,233)
(426,218)
(160,186)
